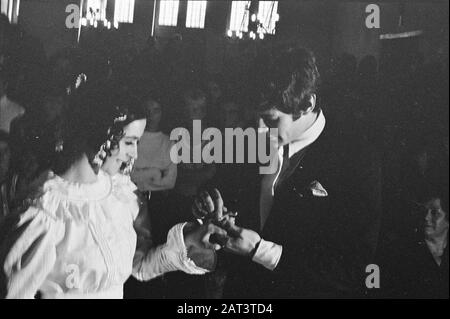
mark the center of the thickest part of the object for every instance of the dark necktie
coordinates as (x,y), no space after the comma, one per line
(284,167)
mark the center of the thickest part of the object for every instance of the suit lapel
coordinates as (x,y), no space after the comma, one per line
(289,165)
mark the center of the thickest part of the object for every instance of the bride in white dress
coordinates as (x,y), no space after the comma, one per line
(77,237)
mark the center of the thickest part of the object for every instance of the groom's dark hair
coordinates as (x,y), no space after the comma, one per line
(290,82)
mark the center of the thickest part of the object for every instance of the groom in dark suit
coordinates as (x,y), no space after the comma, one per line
(319,213)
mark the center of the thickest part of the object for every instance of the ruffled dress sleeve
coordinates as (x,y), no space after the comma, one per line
(28,252)
(150,262)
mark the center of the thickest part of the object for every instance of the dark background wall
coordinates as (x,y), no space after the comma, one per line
(45,19)
(351,35)
(328,27)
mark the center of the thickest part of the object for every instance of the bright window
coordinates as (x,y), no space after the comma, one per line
(168,12)
(124,11)
(96,9)
(239,17)
(11,9)
(4,6)
(195,15)
(268,16)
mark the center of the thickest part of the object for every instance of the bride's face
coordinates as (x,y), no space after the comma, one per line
(127,149)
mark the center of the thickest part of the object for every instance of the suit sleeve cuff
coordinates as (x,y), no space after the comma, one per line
(268,254)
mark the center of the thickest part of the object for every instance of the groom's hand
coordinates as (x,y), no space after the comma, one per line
(240,240)
(209,206)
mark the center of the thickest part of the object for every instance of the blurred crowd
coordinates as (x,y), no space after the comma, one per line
(398,106)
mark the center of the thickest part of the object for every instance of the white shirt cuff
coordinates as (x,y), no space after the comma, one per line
(268,254)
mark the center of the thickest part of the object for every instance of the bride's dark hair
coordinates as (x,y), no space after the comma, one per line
(94,124)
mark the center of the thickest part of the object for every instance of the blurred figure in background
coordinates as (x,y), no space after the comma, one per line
(215,89)
(193,175)
(416,264)
(154,174)
(6,188)
(154,171)
(61,69)
(33,138)
(9,110)
(231,114)
(190,178)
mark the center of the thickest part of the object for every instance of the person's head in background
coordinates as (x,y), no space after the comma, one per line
(5,156)
(154,112)
(54,103)
(432,206)
(231,113)
(61,69)
(195,105)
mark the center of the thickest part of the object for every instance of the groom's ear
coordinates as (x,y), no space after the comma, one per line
(310,105)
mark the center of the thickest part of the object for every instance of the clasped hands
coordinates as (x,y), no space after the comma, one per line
(219,228)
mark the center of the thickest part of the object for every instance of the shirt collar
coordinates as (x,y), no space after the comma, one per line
(309,136)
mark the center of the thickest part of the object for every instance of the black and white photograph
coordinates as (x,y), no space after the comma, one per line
(224,154)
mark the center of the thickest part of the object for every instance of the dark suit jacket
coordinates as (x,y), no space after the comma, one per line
(327,241)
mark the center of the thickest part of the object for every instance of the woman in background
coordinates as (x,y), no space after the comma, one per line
(154,174)
(154,171)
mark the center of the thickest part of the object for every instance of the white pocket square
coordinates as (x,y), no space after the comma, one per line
(317,189)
